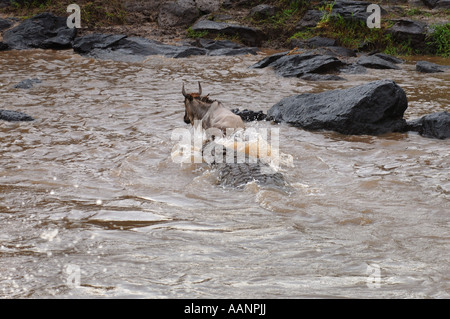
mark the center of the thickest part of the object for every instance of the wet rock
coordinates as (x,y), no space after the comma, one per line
(87,43)
(262,11)
(309,20)
(375,62)
(389,58)
(240,174)
(436,125)
(44,31)
(5,24)
(353,69)
(250,116)
(352,10)
(322,77)
(336,51)
(268,60)
(27,84)
(135,49)
(297,65)
(248,35)
(409,31)
(224,47)
(4,46)
(428,67)
(438,4)
(373,108)
(14,116)
(178,13)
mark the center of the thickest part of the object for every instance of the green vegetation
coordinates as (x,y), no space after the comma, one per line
(196,34)
(439,40)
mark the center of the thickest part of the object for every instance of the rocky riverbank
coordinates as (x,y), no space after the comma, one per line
(314,59)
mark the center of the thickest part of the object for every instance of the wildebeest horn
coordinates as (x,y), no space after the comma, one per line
(184,92)
(199,88)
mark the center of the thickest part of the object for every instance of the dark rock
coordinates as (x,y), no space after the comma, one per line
(135,49)
(321,77)
(4,46)
(438,4)
(352,10)
(297,65)
(238,175)
(268,60)
(178,13)
(87,43)
(374,62)
(249,116)
(389,58)
(309,20)
(248,35)
(428,67)
(233,52)
(373,108)
(353,69)
(4,24)
(336,51)
(208,6)
(436,125)
(218,44)
(409,31)
(262,11)
(14,116)
(27,84)
(40,31)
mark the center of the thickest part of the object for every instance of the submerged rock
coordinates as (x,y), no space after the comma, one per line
(45,31)
(27,84)
(14,116)
(436,125)
(297,65)
(376,62)
(428,67)
(250,36)
(373,108)
(249,116)
(123,48)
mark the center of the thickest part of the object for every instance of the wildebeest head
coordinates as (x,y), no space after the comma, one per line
(195,104)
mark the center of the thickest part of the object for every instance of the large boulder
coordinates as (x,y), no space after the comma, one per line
(351,10)
(135,49)
(248,35)
(436,125)
(44,30)
(429,67)
(178,13)
(297,65)
(4,24)
(409,31)
(376,62)
(373,108)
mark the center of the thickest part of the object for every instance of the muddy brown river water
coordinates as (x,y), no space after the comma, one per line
(92,205)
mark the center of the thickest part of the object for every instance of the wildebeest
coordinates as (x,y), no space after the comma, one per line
(211,113)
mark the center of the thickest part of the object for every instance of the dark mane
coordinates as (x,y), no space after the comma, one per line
(204,98)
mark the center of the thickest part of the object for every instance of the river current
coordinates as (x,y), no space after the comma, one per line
(92,204)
